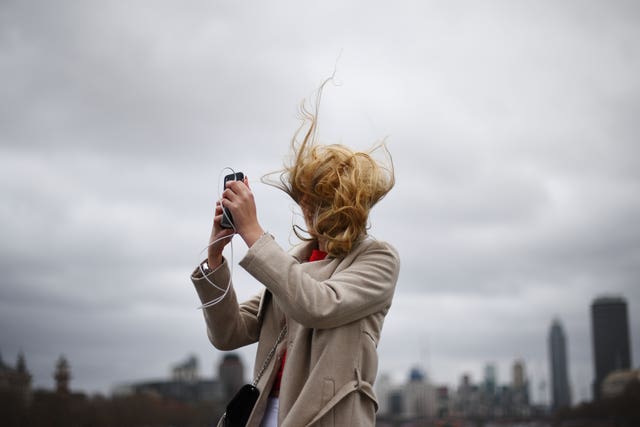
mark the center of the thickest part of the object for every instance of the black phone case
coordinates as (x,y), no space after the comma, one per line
(227,219)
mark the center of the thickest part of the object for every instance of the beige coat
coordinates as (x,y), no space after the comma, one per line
(334,310)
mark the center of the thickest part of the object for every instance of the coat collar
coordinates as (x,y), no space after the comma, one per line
(302,252)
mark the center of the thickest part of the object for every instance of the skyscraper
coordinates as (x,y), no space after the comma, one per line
(560,392)
(490,379)
(610,332)
(518,375)
(231,374)
(519,389)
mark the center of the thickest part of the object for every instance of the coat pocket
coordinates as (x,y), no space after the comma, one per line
(328,391)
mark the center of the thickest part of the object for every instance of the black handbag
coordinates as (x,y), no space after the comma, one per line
(241,405)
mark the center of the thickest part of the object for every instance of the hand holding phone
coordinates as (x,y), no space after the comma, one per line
(227,218)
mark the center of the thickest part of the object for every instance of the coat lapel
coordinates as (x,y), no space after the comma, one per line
(264,302)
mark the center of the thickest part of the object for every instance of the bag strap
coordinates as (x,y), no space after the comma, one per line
(283,331)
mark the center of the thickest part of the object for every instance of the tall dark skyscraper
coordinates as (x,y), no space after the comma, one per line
(610,332)
(560,392)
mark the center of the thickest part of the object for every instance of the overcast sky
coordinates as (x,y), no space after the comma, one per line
(513,126)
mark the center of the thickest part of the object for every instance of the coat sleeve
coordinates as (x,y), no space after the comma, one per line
(229,325)
(365,287)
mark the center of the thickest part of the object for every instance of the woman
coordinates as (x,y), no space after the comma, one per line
(331,292)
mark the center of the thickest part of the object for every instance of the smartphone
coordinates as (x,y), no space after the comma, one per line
(227,219)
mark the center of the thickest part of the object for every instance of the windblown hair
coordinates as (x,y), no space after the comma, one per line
(335,186)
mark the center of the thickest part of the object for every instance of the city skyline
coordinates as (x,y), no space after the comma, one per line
(540,390)
(489,370)
(512,127)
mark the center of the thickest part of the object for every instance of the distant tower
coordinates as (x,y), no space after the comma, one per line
(231,374)
(464,396)
(518,380)
(610,332)
(560,392)
(520,388)
(21,365)
(62,376)
(490,378)
(419,395)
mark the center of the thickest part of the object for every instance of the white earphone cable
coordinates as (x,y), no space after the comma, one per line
(224,213)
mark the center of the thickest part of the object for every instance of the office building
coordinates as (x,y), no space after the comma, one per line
(519,389)
(610,334)
(490,378)
(518,375)
(419,395)
(560,392)
(231,374)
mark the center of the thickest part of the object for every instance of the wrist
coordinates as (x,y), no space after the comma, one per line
(214,261)
(253,235)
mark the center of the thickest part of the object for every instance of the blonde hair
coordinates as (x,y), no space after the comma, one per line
(335,186)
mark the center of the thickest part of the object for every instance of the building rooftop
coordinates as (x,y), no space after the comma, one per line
(609,299)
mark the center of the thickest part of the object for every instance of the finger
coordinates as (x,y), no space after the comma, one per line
(228,195)
(221,239)
(240,189)
(220,214)
(217,219)
(237,186)
(225,232)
